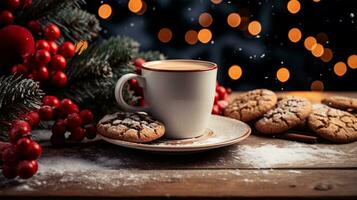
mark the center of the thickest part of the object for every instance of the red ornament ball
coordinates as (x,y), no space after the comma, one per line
(67,49)
(27,168)
(42,45)
(16,43)
(52,32)
(73,121)
(58,62)
(46,113)
(52,101)
(53,47)
(86,116)
(59,79)
(42,57)
(6,18)
(12,4)
(35,27)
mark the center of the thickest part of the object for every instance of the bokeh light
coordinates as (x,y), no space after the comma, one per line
(191,37)
(340,68)
(310,42)
(254,28)
(204,35)
(235,72)
(216,1)
(294,35)
(327,56)
(205,19)
(316,1)
(135,5)
(317,50)
(293,6)
(233,20)
(317,86)
(283,74)
(143,8)
(164,35)
(352,61)
(105,11)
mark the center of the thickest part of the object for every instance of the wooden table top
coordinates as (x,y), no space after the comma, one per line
(261,168)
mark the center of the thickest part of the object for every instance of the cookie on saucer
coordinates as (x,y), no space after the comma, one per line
(333,124)
(132,127)
(341,102)
(289,112)
(251,105)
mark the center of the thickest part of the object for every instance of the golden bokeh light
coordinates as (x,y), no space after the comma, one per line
(81,46)
(143,8)
(216,1)
(254,28)
(317,50)
(233,20)
(204,35)
(105,11)
(135,6)
(317,86)
(340,68)
(283,74)
(327,56)
(352,61)
(235,72)
(191,37)
(205,19)
(316,1)
(294,35)
(293,6)
(310,42)
(164,35)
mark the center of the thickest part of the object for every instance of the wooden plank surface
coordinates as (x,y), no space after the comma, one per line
(278,184)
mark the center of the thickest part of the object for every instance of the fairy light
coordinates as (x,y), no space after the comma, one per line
(293,6)
(233,20)
(216,1)
(105,11)
(294,35)
(352,61)
(254,28)
(283,74)
(340,68)
(235,72)
(316,1)
(191,37)
(327,55)
(135,5)
(204,35)
(317,50)
(317,85)
(165,35)
(205,19)
(310,42)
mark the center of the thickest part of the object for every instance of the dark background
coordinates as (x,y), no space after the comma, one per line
(259,57)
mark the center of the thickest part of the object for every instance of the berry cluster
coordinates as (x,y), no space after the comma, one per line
(49,60)
(67,117)
(6,15)
(220,99)
(133,83)
(20,155)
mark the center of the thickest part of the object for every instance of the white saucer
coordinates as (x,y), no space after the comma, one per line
(221,131)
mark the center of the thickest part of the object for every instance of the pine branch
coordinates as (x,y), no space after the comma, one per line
(150,55)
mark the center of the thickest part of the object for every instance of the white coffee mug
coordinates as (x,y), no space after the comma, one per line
(180,93)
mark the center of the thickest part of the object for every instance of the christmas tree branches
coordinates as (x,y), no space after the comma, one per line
(17,96)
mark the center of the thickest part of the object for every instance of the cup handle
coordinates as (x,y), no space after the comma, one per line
(118,92)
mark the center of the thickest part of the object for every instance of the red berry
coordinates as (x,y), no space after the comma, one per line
(86,116)
(78,134)
(18,130)
(52,32)
(67,49)
(216,97)
(68,107)
(35,27)
(9,155)
(6,18)
(26,3)
(42,56)
(51,101)
(42,73)
(53,47)
(46,113)
(33,118)
(138,63)
(222,92)
(222,104)
(59,128)
(58,62)
(9,171)
(23,145)
(229,90)
(91,131)
(33,151)
(27,168)
(12,4)
(18,69)
(58,140)
(59,79)
(73,121)
(42,44)
(215,110)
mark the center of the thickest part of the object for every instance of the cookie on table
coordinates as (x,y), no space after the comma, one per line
(251,105)
(341,102)
(289,112)
(333,124)
(132,127)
